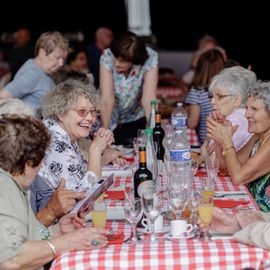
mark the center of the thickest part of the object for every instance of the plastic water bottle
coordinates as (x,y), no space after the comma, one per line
(152,117)
(179,117)
(180,150)
(151,158)
(180,159)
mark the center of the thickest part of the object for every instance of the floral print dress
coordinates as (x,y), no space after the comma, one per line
(260,188)
(62,159)
(128,90)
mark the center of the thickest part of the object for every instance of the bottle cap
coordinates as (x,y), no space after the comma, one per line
(149,131)
(153,102)
(179,104)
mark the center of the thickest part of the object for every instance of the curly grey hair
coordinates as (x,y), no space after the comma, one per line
(236,80)
(15,106)
(261,90)
(58,101)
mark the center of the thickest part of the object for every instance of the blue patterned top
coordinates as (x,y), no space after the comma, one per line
(128,90)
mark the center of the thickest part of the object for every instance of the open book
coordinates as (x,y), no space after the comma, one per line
(85,205)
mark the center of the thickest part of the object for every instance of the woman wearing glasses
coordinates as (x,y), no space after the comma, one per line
(250,166)
(228,90)
(69,112)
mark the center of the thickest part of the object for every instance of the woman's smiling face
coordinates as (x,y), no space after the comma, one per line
(257,116)
(78,120)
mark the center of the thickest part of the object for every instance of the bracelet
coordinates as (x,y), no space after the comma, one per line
(51,246)
(224,152)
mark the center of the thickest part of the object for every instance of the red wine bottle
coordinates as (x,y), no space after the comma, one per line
(142,177)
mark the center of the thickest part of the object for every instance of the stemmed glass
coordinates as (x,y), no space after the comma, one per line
(212,165)
(178,200)
(205,213)
(152,208)
(133,211)
(193,203)
(129,191)
(194,166)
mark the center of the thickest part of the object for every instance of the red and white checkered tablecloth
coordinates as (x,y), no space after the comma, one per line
(193,138)
(176,254)
(169,92)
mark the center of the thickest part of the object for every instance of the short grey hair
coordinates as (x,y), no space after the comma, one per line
(58,101)
(16,106)
(236,80)
(261,90)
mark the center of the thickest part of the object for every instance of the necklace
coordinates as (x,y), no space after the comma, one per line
(265,139)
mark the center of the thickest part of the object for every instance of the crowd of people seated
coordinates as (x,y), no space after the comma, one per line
(42,120)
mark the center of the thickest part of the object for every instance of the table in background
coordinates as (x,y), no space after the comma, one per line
(176,254)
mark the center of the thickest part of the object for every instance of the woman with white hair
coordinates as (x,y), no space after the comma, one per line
(228,90)
(17,106)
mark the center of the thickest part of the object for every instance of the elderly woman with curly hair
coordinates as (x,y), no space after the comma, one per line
(25,243)
(69,111)
(251,164)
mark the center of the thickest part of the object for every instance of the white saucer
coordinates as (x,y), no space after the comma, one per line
(146,231)
(183,236)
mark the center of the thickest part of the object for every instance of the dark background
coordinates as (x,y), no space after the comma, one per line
(242,31)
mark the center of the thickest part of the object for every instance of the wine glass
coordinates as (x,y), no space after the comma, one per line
(129,191)
(205,214)
(152,208)
(194,166)
(133,211)
(212,165)
(193,204)
(178,201)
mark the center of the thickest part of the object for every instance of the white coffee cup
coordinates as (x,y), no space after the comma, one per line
(158,225)
(180,227)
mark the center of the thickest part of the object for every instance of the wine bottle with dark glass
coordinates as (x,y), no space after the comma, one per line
(142,177)
(158,136)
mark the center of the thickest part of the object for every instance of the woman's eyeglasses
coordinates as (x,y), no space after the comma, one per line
(218,96)
(85,112)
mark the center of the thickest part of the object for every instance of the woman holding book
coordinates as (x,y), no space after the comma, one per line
(69,111)
(25,243)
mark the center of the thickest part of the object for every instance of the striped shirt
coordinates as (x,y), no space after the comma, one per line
(200,97)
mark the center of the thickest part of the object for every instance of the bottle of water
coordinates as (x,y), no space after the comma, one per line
(152,121)
(151,158)
(180,159)
(180,150)
(179,117)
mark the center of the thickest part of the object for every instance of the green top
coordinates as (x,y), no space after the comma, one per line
(18,223)
(260,188)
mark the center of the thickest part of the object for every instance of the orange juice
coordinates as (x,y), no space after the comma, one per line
(205,212)
(99,218)
(207,194)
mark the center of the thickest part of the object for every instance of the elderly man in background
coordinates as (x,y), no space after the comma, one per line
(103,39)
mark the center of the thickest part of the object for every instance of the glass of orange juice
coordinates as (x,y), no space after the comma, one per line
(205,213)
(99,214)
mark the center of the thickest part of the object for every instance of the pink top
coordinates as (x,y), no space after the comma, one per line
(241,135)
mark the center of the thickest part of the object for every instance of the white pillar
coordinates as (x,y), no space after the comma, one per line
(138,13)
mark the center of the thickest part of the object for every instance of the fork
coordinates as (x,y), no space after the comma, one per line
(229,194)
